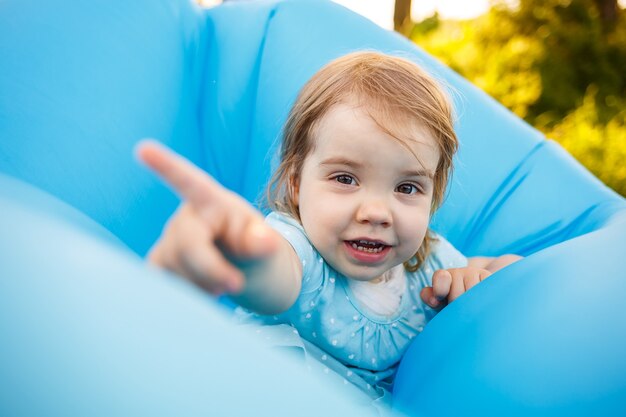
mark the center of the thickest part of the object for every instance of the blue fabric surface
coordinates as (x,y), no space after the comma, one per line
(82,82)
(544,338)
(88,330)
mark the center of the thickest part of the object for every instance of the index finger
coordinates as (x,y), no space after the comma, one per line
(442,284)
(187,180)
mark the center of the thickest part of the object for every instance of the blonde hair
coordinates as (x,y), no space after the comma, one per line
(397,94)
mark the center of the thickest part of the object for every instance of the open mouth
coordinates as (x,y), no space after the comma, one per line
(367,246)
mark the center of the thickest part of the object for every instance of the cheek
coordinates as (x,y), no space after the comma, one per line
(318,209)
(323,215)
(413,226)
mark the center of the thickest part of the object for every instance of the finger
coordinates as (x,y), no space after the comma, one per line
(249,237)
(206,266)
(442,281)
(163,252)
(484,274)
(458,285)
(470,279)
(189,182)
(260,239)
(429,298)
(187,249)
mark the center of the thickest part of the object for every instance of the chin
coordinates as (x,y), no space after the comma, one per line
(360,275)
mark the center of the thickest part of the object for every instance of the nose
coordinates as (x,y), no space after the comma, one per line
(375,212)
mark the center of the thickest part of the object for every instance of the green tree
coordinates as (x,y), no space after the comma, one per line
(559,64)
(584,45)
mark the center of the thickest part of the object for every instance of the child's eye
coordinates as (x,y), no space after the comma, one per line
(408,188)
(345,179)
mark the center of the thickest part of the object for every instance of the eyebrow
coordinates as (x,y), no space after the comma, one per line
(354,164)
(341,161)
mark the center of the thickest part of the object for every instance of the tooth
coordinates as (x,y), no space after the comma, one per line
(354,245)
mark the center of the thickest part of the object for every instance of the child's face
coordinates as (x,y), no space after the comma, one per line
(364,199)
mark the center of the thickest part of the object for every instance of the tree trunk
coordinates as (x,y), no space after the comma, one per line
(401,15)
(607,9)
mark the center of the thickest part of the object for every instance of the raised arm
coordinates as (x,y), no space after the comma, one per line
(219,241)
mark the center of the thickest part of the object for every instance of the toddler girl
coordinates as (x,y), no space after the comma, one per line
(348,258)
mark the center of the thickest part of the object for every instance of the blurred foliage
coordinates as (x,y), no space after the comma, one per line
(559,64)
(601,147)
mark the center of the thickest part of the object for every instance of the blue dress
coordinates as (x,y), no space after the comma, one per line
(337,332)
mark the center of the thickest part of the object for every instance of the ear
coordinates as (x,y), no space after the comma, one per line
(294,190)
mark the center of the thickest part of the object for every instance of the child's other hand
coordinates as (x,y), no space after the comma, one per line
(449,284)
(212,227)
